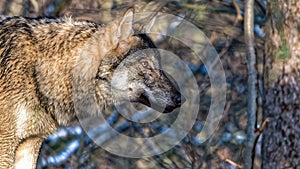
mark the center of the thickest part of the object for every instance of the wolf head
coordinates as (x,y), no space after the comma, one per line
(139,78)
(132,68)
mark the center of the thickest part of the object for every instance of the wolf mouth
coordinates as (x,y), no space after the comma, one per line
(144,100)
(163,108)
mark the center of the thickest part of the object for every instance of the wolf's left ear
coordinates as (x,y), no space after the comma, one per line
(125,27)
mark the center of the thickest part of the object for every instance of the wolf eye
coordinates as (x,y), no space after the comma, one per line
(145,64)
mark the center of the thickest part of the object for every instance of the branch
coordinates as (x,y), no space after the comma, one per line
(238,10)
(71,148)
(233,163)
(252,80)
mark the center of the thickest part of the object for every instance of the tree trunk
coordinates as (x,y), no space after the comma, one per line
(281,137)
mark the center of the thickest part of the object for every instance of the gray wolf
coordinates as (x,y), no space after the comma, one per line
(48,66)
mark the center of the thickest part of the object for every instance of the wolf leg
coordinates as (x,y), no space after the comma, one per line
(27,153)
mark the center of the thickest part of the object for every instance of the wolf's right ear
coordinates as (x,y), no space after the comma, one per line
(125,27)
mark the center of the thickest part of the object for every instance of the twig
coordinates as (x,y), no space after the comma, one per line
(227,107)
(233,163)
(262,126)
(238,10)
(252,80)
(238,19)
(258,132)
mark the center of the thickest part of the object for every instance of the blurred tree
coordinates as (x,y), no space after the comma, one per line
(281,145)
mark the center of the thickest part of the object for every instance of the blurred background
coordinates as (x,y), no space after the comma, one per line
(221,21)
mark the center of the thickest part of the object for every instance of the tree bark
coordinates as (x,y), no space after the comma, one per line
(281,144)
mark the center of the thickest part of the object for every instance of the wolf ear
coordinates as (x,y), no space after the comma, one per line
(125,28)
(144,22)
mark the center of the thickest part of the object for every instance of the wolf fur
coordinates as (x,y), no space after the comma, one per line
(52,68)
